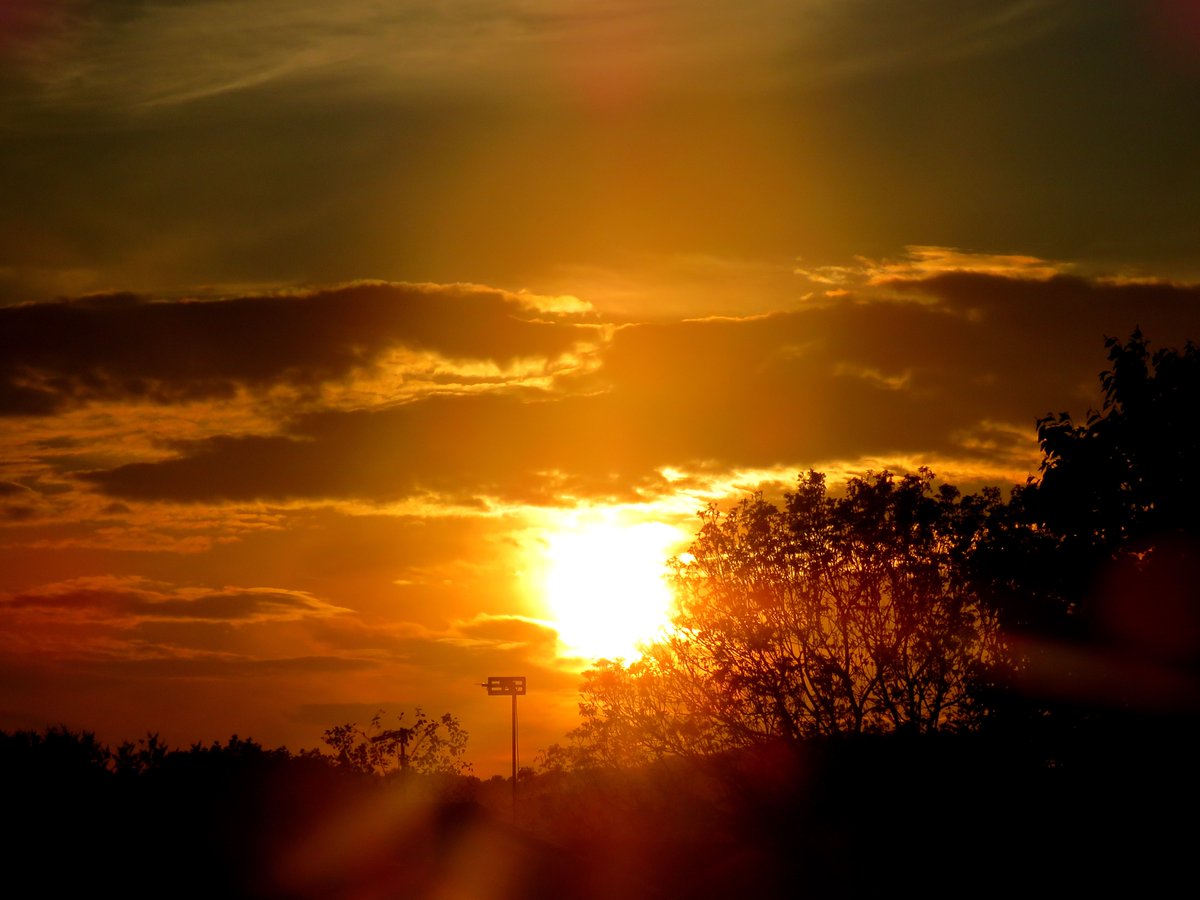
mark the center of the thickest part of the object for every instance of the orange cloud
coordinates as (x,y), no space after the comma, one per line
(920,263)
(834,382)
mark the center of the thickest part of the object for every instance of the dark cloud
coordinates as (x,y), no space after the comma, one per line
(17,513)
(58,442)
(839,381)
(117,347)
(129,600)
(1049,311)
(19,400)
(24,505)
(460,446)
(227,667)
(508,631)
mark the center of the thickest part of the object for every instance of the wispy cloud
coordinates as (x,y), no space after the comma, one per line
(919,263)
(131,601)
(163,54)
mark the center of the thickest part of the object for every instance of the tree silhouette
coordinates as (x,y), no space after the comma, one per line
(147,755)
(1129,472)
(426,745)
(56,762)
(829,615)
(1104,547)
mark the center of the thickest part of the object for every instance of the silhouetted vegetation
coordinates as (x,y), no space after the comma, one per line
(224,819)
(427,746)
(1093,568)
(826,616)
(896,606)
(890,688)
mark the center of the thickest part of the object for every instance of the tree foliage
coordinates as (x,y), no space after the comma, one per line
(147,755)
(1128,473)
(57,753)
(1117,507)
(424,745)
(826,615)
(1118,499)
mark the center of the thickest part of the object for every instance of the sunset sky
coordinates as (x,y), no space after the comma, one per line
(353,352)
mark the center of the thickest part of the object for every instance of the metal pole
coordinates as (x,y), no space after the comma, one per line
(509,686)
(514,761)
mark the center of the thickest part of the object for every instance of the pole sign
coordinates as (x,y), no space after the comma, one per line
(506,686)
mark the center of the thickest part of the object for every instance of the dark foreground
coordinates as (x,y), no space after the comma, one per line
(870,817)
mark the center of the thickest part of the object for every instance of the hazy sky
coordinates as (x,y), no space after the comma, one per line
(321,323)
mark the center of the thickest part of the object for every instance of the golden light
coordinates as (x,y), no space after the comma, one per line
(604,586)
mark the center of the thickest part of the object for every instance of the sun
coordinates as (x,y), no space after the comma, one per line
(604,586)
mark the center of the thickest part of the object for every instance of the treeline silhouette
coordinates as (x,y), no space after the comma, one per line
(232,819)
(852,816)
(894,688)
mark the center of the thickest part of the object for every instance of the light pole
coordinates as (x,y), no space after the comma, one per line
(509,686)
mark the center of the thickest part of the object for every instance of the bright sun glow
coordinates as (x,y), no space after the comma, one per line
(604,586)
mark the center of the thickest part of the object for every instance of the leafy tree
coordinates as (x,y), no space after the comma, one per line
(147,755)
(1103,549)
(828,615)
(426,745)
(56,754)
(1128,473)
(1119,492)
(636,712)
